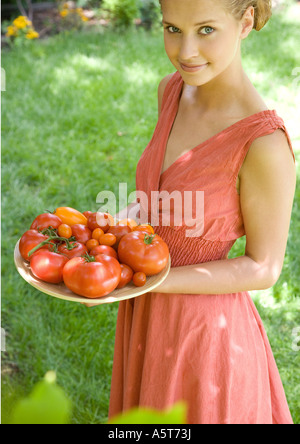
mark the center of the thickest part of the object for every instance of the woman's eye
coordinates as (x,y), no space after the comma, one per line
(173,29)
(207,30)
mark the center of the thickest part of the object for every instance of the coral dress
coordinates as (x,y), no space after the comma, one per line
(211,351)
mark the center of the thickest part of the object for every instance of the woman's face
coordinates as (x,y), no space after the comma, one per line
(202,38)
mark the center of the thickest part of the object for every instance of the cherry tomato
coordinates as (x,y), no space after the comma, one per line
(91,243)
(29,240)
(70,216)
(64,230)
(119,231)
(78,250)
(104,249)
(92,279)
(139,279)
(48,266)
(107,239)
(97,232)
(126,275)
(46,220)
(143,252)
(81,232)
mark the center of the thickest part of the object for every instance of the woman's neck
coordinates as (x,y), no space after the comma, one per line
(222,92)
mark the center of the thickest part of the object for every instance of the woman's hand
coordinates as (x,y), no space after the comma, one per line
(87,304)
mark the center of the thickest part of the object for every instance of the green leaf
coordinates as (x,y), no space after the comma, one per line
(141,415)
(47,404)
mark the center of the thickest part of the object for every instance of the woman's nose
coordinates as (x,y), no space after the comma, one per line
(189,48)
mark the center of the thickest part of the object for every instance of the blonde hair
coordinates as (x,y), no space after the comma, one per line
(262,10)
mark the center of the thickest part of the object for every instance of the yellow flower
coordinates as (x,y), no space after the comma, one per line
(31,34)
(81,14)
(12,31)
(21,22)
(64,13)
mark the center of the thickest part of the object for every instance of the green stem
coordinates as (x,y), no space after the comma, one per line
(149,238)
(88,258)
(48,241)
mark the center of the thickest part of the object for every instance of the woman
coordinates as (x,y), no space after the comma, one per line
(199,337)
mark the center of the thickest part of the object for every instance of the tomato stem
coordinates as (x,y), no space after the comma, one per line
(48,241)
(149,238)
(89,258)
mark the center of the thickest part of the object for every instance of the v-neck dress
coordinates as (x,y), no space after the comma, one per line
(209,350)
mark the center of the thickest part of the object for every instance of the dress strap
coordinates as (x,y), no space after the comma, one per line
(267,122)
(172,91)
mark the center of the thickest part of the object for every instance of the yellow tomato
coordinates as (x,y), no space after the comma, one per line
(144,227)
(70,216)
(130,222)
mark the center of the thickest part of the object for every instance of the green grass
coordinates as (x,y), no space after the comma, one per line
(77,113)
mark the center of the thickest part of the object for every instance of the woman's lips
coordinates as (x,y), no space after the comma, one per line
(192,68)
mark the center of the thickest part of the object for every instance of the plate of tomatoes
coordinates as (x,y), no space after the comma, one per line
(91,257)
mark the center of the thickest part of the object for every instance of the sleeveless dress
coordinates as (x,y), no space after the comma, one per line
(211,351)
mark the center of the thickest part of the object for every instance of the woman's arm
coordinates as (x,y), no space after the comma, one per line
(267,187)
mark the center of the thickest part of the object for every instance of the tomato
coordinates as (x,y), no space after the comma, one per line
(91,243)
(103,249)
(64,230)
(86,213)
(70,216)
(29,240)
(119,231)
(78,250)
(46,220)
(126,275)
(107,239)
(127,221)
(97,232)
(92,277)
(143,252)
(139,279)
(100,220)
(81,232)
(48,266)
(144,227)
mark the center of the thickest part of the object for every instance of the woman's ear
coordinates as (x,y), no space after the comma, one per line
(247,22)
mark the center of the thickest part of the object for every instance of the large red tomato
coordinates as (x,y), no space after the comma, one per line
(92,277)
(78,250)
(48,266)
(103,249)
(46,220)
(143,252)
(29,240)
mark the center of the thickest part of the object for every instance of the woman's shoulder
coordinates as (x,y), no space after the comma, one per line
(161,88)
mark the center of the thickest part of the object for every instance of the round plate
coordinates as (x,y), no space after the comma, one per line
(60,291)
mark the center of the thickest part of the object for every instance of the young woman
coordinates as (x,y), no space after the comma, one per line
(199,337)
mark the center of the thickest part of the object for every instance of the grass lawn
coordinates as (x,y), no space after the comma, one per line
(77,113)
